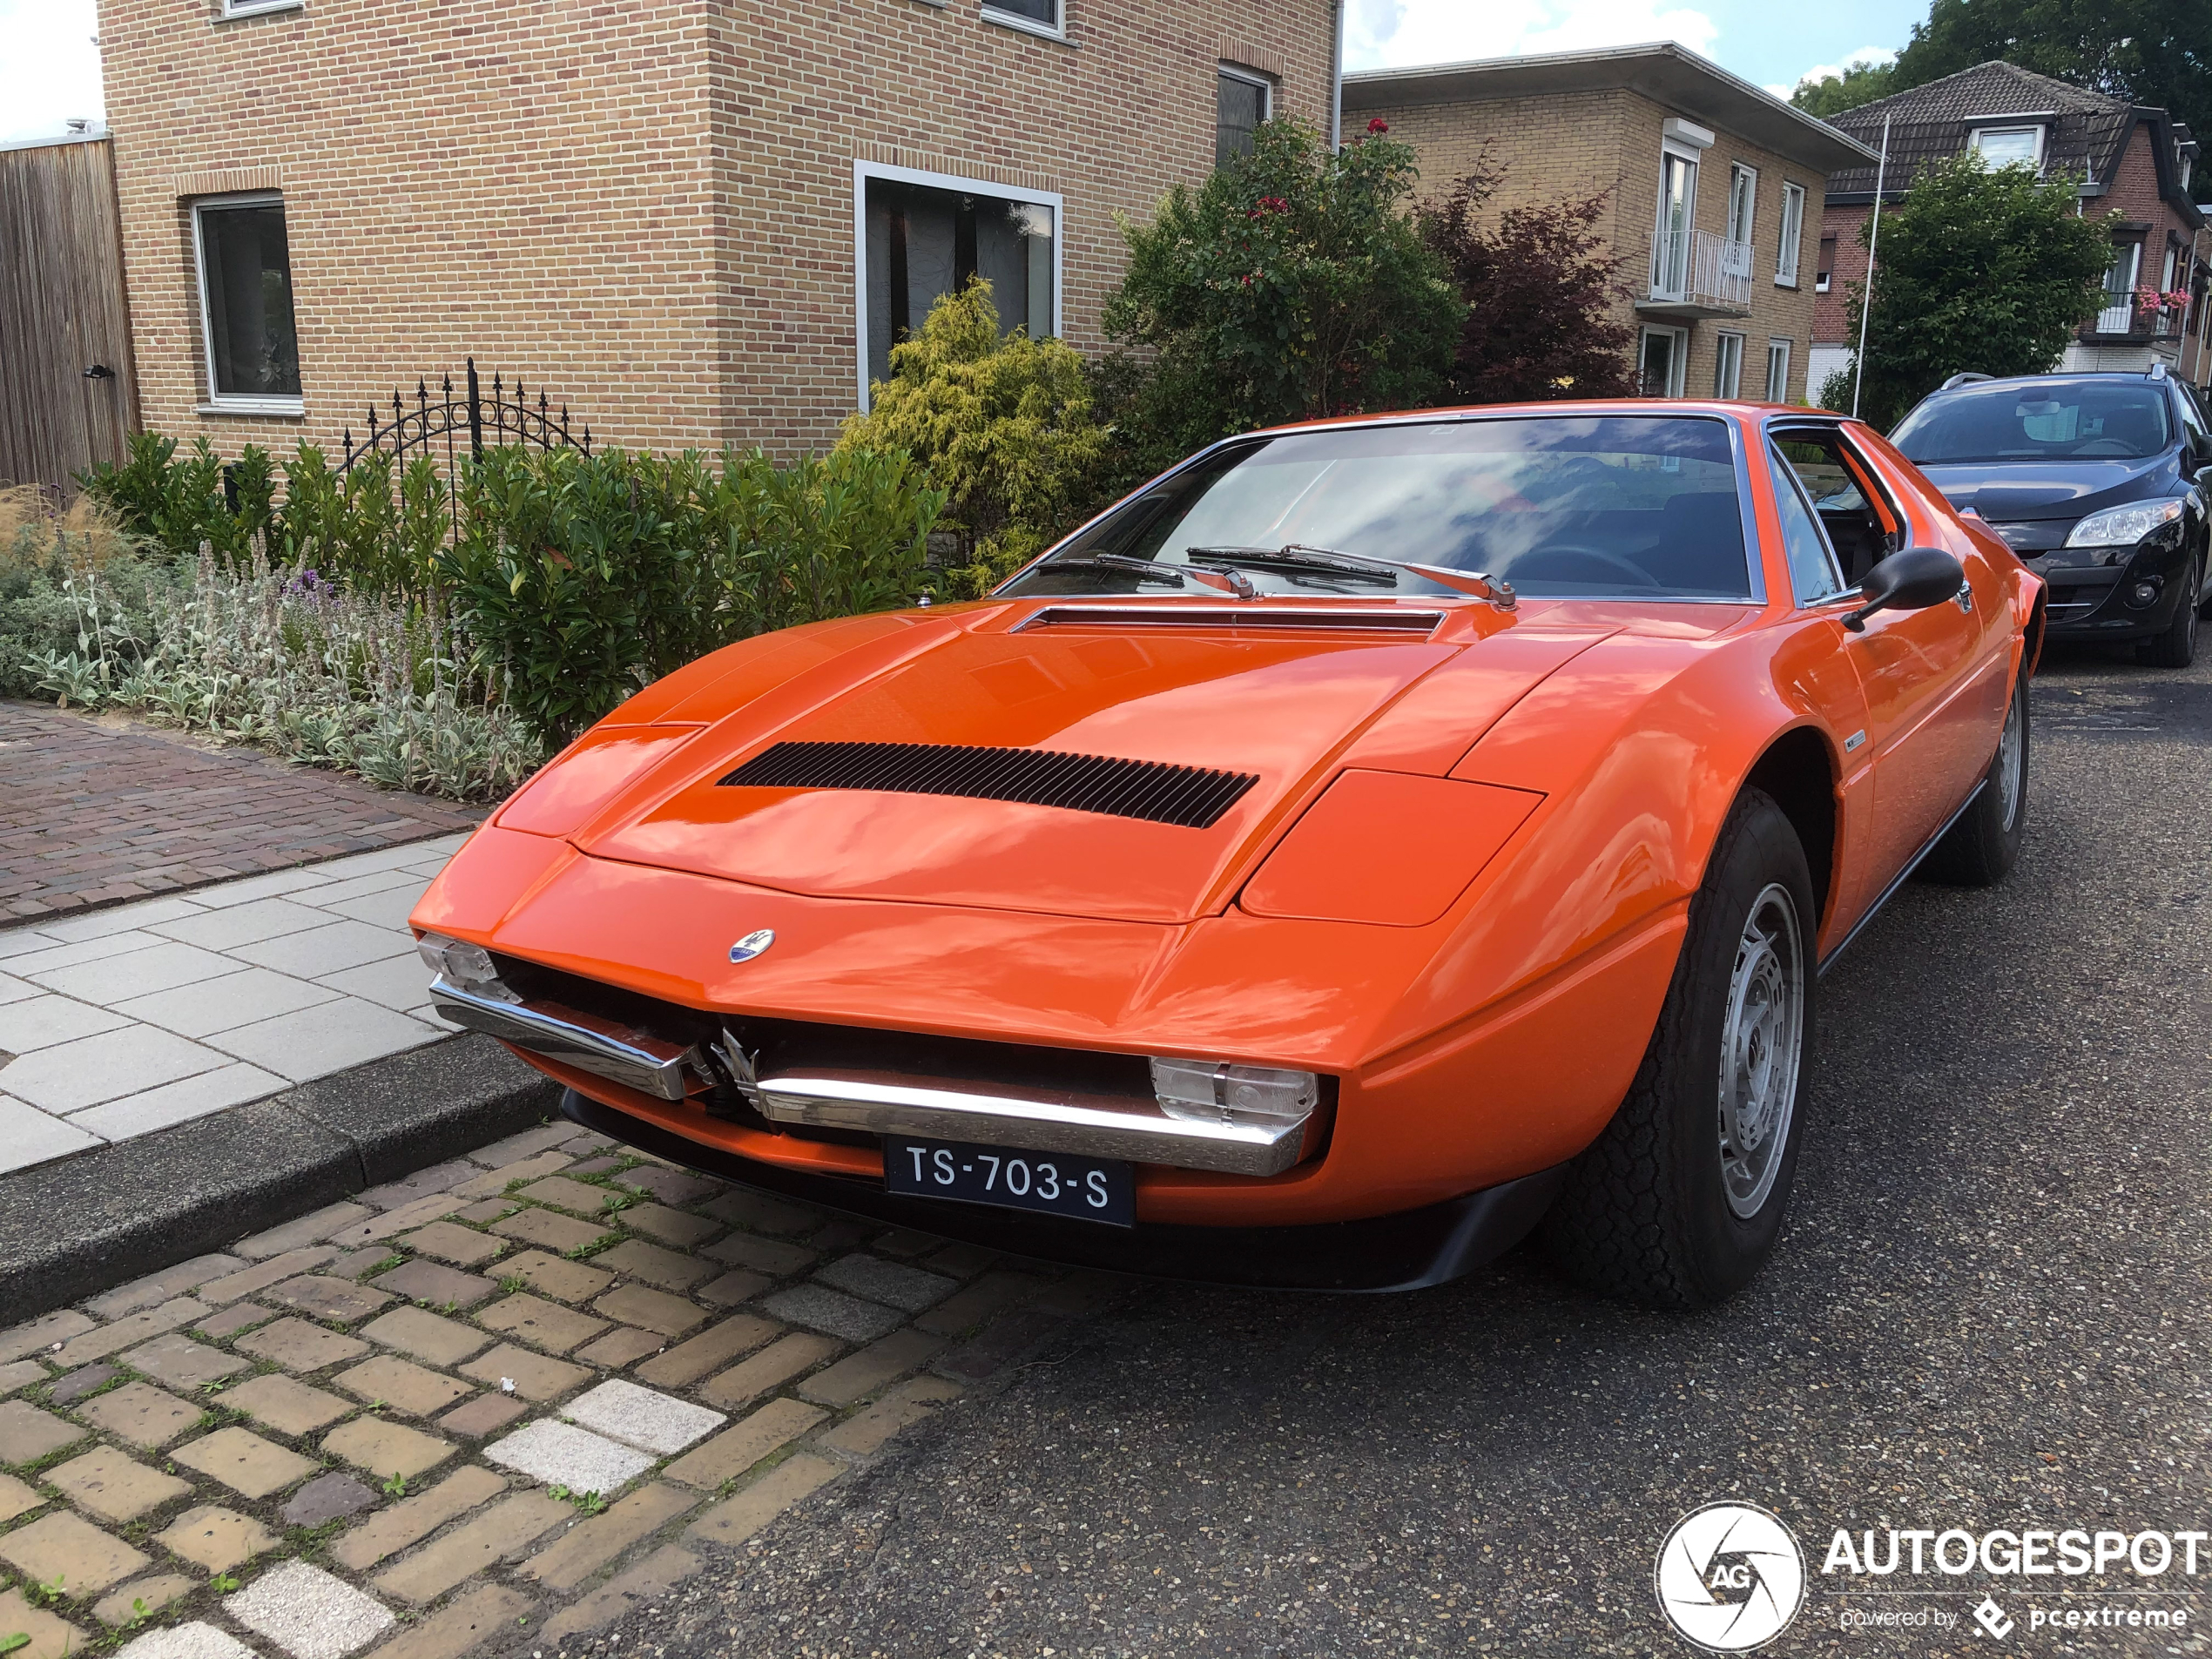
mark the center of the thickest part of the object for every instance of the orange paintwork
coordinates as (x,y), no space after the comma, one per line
(1519,807)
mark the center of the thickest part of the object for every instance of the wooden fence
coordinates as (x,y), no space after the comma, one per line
(69,391)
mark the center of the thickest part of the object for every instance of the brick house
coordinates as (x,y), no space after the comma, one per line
(695,221)
(2129,158)
(1711,186)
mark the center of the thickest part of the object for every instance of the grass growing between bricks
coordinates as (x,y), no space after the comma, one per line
(718,1348)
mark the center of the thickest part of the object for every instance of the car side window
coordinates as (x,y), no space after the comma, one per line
(2199,440)
(1813,573)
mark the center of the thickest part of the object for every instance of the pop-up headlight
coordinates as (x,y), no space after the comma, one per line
(1207,1091)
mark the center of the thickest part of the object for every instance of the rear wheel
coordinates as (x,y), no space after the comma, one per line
(1978,850)
(2176,647)
(1678,1203)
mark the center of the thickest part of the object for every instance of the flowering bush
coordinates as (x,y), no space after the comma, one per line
(1291,285)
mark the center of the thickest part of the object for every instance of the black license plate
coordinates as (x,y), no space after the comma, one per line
(1057,1183)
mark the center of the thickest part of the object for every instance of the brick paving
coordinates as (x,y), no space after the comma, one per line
(487,1409)
(96,814)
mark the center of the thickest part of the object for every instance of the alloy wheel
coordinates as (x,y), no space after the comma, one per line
(2010,748)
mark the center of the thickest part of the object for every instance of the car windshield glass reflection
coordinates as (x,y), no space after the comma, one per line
(2081,421)
(1625,506)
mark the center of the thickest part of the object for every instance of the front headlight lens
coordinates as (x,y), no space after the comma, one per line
(1215,1091)
(2124,526)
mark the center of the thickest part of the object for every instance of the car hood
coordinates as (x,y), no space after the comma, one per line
(2013,492)
(1282,708)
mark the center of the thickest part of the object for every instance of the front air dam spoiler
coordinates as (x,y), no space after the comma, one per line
(1407,1251)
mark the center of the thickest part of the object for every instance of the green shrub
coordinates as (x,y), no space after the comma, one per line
(585,577)
(1004,426)
(1290,285)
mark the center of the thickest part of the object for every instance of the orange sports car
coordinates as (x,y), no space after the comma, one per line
(1366,844)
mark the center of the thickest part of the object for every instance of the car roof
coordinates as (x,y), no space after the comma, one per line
(1722,409)
(2112,375)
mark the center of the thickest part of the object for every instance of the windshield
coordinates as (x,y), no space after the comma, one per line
(2054,420)
(1627,506)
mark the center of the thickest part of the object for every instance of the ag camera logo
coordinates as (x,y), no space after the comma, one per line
(1730,1577)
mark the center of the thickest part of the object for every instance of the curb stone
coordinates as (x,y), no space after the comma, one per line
(75,1226)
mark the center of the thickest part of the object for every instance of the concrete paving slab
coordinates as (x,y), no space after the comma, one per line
(178,1103)
(308,1613)
(72,1076)
(332,1036)
(222,1004)
(159,967)
(28,1135)
(562,1454)
(641,1416)
(241,924)
(45,1018)
(328,949)
(148,913)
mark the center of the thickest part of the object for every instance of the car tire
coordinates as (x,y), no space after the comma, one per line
(2176,647)
(1679,1201)
(1979,851)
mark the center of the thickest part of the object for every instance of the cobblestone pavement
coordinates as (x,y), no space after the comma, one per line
(141,1015)
(95,813)
(490,1408)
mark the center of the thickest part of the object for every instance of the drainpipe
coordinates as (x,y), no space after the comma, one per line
(1336,78)
(1866,299)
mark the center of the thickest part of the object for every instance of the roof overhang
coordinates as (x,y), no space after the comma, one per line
(1665,73)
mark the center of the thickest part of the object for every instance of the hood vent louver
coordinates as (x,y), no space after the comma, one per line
(1266,613)
(1192,797)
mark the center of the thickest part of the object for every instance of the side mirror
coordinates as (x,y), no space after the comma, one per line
(1913,580)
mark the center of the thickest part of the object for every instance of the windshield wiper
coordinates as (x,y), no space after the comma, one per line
(1296,555)
(1230,580)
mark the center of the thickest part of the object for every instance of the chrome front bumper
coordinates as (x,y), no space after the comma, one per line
(1104,1126)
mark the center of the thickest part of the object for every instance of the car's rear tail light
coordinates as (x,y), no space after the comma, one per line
(1211,1091)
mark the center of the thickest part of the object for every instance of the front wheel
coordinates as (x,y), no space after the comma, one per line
(1679,1201)
(1979,849)
(2176,647)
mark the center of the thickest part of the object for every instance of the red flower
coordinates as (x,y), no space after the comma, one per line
(1378,125)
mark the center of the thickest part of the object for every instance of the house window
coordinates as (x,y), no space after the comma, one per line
(1777,371)
(1677,207)
(923,235)
(247,330)
(1241,102)
(2118,315)
(1728,365)
(1792,236)
(247,8)
(1824,272)
(1038,16)
(2009,146)
(1660,362)
(1743,201)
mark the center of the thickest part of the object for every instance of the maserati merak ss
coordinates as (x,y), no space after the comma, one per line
(1366,845)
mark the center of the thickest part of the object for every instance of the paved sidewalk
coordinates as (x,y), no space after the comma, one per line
(139,1017)
(100,810)
(488,1408)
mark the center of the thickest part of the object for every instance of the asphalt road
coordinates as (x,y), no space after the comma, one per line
(1987,1310)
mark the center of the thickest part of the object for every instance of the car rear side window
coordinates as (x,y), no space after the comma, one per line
(1813,574)
(2056,419)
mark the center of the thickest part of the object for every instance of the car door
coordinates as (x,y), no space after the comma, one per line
(1929,730)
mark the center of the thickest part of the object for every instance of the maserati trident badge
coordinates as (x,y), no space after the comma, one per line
(752,944)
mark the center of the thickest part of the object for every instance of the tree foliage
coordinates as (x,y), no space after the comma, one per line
(1541,290)
(1977,269)
(2147,52)
(1290,285)
(1003,426)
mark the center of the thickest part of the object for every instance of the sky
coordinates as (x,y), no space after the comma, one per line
(49,68)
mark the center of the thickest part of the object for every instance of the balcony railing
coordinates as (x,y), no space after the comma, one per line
(1702,269)
(2126,314)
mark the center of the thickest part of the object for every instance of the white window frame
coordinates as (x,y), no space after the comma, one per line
(1727,387)
(236,402)
(1790,239)
(1252,77)
(864,170)
(1695,159)
(1783,350)
(1974,136)
(1677,360)
(1748,177)
(255,8)
(1058,31)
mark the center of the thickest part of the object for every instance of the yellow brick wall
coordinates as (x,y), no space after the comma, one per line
(1570,146)
(646,209)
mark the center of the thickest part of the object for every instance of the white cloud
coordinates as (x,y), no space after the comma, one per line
(49,69)
(1822,71)
(1396,34)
